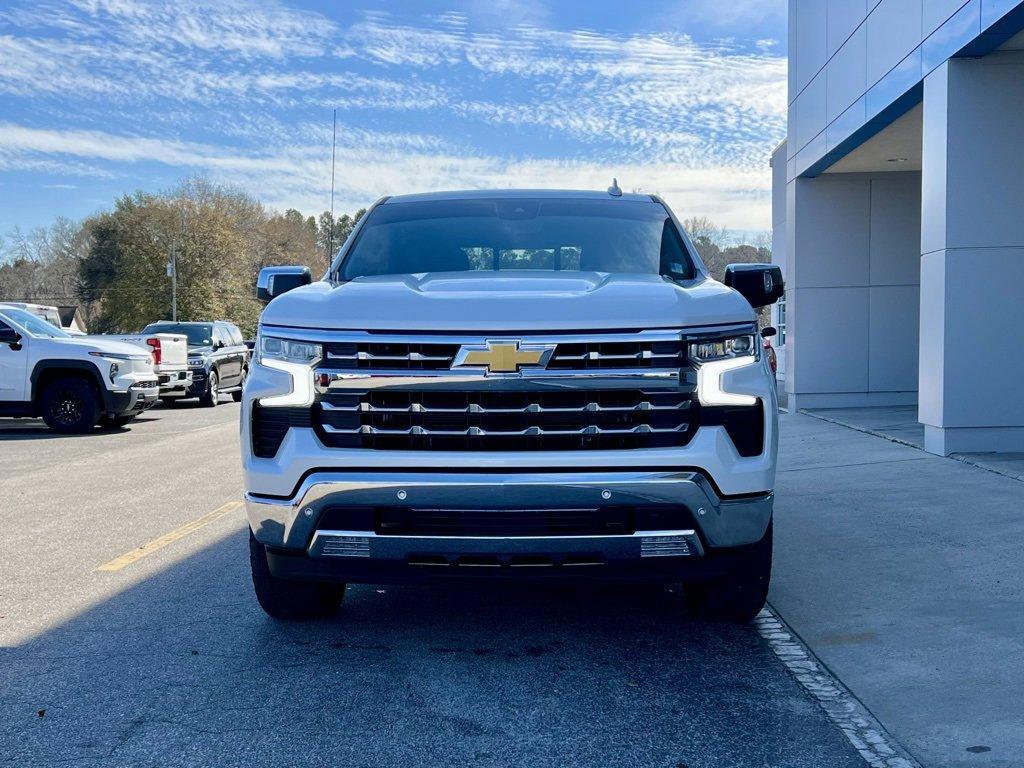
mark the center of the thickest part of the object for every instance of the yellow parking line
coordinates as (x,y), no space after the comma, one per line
(169,538)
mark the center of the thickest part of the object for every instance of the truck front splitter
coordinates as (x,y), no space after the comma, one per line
(687,499)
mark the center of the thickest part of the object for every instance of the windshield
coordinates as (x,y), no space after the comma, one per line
(198,334)
(516,234)
(35,326)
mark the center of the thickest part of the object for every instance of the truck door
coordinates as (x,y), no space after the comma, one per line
(13,368)
(228,364)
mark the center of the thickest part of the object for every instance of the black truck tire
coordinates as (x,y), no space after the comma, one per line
(740,595)
(287,599)
(211,396)
(70,405)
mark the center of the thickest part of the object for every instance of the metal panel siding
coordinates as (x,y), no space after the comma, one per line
(811,34)
(956,33)
(936,12)
(844,16)
(845,75)
(894,30)
(896,82)
(896,43)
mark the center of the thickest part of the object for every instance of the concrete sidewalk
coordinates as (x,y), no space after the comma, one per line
(899,423)
(904,573)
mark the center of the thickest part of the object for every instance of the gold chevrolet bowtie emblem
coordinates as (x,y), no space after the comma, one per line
(503,356)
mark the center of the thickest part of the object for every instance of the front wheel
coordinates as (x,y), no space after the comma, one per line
(741,594)
(70,405)
(237,394)
(288,599)
(212,393)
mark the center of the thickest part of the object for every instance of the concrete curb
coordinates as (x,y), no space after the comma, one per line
(868,736)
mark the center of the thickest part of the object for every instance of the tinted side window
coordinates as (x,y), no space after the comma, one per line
(236,336)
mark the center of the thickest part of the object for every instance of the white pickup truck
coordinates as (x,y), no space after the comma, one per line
(72,382)
(170,359)
(512,384)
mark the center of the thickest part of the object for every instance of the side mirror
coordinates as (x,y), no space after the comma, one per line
(11,338)
(274,281)
(768,331)
(218,344)
(760,284)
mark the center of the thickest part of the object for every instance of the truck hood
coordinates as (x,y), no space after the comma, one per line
(523,301)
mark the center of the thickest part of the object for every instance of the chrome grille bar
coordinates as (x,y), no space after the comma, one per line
(365,407)
(640,429)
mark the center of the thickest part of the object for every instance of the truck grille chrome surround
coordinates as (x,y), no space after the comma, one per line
(593,391)
(601,391)
(646,349)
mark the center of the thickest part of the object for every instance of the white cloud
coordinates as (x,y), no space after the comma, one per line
(374,165)
(136,81)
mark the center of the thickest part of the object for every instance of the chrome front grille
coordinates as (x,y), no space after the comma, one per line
(402,356)
(505,420)
(572,352)
(510,392)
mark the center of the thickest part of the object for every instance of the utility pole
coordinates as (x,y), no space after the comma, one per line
(334,147)
(172,272)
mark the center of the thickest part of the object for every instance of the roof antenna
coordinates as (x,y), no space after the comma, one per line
(614,190)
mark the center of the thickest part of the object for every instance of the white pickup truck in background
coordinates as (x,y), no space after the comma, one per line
(170,358)
(72,382)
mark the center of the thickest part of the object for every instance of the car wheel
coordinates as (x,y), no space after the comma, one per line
(116,422)
(741,594)
(288,599)
(70,405)
(212,393)
(237,394)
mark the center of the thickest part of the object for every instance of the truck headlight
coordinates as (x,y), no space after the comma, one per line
(288,351)
(296,358)
(716,357)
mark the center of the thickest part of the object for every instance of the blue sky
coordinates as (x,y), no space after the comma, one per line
(101,97)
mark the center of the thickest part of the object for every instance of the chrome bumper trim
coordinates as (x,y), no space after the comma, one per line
(643,544)
(291,523)
(329,380)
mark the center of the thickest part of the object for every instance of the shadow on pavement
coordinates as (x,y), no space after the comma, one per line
(183,669)
(36,429)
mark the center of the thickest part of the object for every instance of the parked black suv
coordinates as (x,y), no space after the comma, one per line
(217,357)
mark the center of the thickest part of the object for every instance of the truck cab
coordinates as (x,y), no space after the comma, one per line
(72,382)
(514,384)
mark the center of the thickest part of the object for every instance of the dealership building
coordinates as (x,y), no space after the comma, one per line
(898,207)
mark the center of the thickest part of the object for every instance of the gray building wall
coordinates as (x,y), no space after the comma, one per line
(852,61)
(855,294)
(904,244)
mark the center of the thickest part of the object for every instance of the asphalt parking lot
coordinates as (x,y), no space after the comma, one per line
(162,656)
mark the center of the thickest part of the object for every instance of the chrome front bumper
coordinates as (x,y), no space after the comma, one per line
(175,382)
(292,523)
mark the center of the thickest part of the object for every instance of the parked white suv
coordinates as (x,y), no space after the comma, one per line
(538,384)
(72,382)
